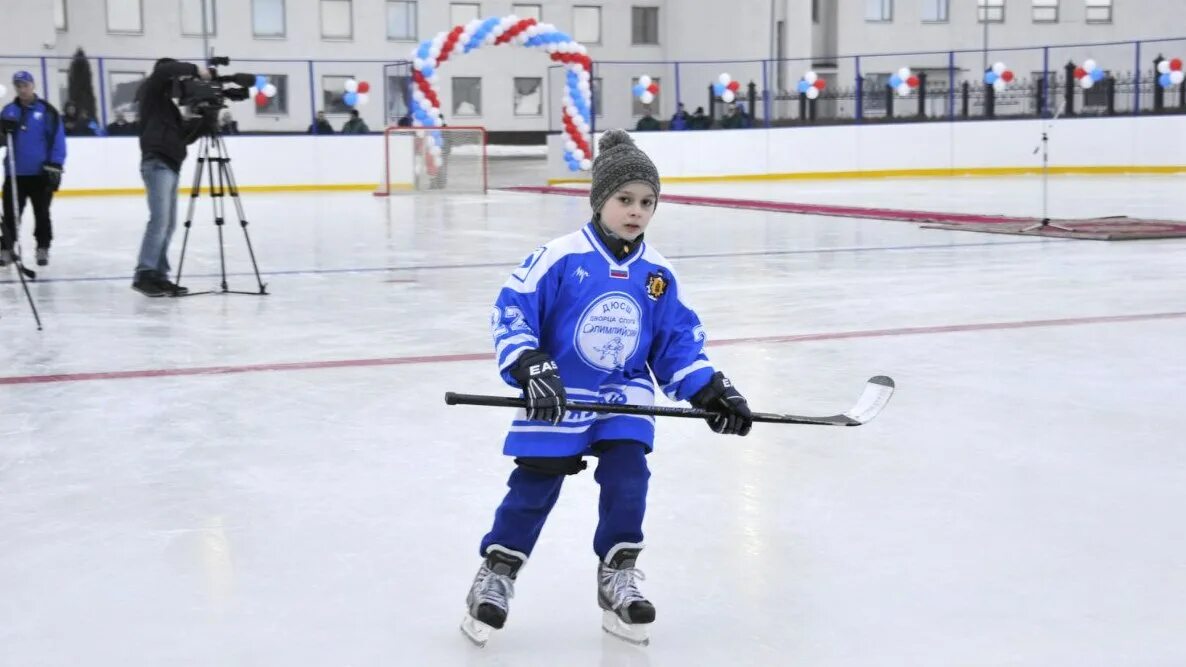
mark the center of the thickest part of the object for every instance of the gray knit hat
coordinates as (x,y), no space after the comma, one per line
(619,162)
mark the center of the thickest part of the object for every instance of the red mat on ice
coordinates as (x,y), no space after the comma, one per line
(1095,228)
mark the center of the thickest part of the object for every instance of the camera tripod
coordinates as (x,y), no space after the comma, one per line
(214,159)
(21,271)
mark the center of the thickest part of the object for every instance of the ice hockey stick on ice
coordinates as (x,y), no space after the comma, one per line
(875,396)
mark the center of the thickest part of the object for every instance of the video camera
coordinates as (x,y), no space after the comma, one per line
(205,98)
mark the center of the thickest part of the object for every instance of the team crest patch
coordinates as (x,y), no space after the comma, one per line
(656,286)
(607,333)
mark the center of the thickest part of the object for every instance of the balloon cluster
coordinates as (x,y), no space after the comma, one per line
(3,90)
(811,85)
(726,88)
(646,89)
(1088,74)
(262,91)
(356,93)
(1169,73)
(903,81)
(432,53)
(999,77)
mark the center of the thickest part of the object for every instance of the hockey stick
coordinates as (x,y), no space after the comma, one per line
(16,246)
(875,396)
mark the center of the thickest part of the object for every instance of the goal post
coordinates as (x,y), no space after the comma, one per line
(439,159)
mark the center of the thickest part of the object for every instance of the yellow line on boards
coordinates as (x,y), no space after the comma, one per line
(184,192)
(913,173)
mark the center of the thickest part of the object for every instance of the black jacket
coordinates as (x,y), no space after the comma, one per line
(163,134)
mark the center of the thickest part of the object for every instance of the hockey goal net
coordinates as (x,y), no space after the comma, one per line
(439,159)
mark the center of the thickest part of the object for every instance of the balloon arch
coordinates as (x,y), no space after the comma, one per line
(432,53)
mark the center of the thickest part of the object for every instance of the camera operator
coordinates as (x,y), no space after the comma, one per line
(39,150)
(163,138)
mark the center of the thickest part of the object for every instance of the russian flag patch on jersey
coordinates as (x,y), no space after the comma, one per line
(619,273)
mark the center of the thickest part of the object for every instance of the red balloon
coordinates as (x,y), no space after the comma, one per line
(364,87)
(1007,75)
(734,86)
(653,88)
(1176,64)
(261,99)
(912,81)
(820,84)
(1080,72)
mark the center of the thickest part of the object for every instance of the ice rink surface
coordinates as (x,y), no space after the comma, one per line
(243,480)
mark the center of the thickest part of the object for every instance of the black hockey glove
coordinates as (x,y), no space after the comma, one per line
(53,175)
(538,375)
(733,415)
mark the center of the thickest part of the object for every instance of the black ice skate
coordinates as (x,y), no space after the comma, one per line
(493,587)
(627,612)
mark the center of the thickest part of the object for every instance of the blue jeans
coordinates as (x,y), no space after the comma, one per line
(161,182)
(623,476)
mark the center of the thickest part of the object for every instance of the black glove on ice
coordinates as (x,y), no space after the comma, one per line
(733,415)
(538,375)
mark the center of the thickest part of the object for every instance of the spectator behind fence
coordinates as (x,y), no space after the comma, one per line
(38,153)
(679,120)
(746,120)
(356,125)
(732,119)
(227,123)
(699,121)
(321,125)
(120,127)
(404,120)
(76,122)
(647,124)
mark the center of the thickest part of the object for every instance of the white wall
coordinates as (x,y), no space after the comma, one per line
(1113,142)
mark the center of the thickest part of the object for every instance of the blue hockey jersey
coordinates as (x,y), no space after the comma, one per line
(609,325)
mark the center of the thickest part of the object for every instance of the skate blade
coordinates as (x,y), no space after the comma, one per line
(634,633)
(476,631)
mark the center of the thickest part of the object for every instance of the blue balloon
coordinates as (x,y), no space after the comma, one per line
(425,47)
(803,86)
(639,89)
(1165,81)
(895,81)
(260,81)
(350,98)
(718,88)
(427,72)
(990,77)
(1097,74)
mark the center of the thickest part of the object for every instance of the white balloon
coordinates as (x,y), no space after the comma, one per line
(252,91)
(998,68)
(351,86)
(812,93)
(1177,77)
(584,87)
(1089,65)
(550,48)
(724,79)
(904,73)
(418,63)
(727,96)
(418,94)
(903,89)
(570,145)
(579,154)
(1086,82)
(586,164)
(1000,85)
(270,90)
(644,80)
(435,78)
(1163,67)
(647,97)
(810,77)
(581,49)
(362,98)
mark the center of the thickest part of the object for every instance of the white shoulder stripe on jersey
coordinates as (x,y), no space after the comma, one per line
(683,373)
(569,244)
(514,340)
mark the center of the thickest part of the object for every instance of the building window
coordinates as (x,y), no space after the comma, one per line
(990,11)
(60,15)
(267,18)
(528,12)
(461,13)
(640,109)
(935,11)
(277,105)
(401,20)
(529,96)
(125,16)
(595,95)
(587,22)
(1045,11)
(337,21)
(467,96)
(333,86)
(191,17)
(645,25)
(874,90)
(1099,11)
(399,98)
(123,87)
(879,10)
(63,88)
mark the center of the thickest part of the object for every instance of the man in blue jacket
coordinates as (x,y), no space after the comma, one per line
(39,150)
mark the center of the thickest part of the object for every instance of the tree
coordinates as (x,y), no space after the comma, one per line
(79,85)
